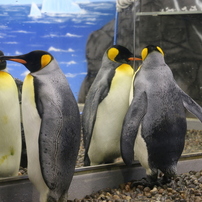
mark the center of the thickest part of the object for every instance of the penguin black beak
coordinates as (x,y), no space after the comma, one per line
(10,58)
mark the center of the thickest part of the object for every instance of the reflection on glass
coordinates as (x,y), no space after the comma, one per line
(170,6)
(180,38)
(193,143)
(60,27)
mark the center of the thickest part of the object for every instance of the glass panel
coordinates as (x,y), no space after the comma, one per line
(173,25)
(193,143)
(180,37)
(170,6)
(59,27)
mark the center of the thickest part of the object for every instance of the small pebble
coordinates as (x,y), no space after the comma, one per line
(154,191)
(147,189)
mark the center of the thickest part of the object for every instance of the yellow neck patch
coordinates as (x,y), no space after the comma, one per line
(45,60)
(160,50)
(144,53)
(127,69)
(6,81)
(112,53)
(28,90)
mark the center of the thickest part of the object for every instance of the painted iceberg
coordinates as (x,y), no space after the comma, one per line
(34,11)
(60,6)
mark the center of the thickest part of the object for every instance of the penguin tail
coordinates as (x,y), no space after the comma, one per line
(51,199)
(86,160)
(54,197)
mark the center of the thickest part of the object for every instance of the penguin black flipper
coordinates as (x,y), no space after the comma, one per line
(95,96)
(131,124)
(191,105)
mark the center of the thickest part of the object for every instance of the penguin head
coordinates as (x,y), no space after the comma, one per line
(148,49)
(33,61)
(118,53)
(2,62)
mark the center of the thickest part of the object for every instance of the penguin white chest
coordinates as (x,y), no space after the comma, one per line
(110,114)
(10,126)
(32,123)
(140,150)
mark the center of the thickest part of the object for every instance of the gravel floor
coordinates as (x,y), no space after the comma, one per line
(186,187)
(193,141)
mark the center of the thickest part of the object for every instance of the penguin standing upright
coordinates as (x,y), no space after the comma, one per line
(106,105)
(51,123)
(10,124)
(155,126)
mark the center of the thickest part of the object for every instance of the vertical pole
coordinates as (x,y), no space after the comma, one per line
(116,27)
(134,24)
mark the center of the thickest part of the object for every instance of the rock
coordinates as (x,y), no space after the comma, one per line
(200,179)
(127,187)
(161,191)
(147,189)
(154,191)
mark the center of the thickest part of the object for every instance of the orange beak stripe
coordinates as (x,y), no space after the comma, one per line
(133,59)
(18,60)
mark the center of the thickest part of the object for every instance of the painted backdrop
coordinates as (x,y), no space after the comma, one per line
(59,26)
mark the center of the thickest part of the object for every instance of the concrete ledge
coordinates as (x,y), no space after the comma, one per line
(193,123)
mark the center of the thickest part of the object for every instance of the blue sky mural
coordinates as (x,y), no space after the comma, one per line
(49,27)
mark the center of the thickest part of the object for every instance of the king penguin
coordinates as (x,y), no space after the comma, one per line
(155,126)
(51,121)
(10,124)
(106,105)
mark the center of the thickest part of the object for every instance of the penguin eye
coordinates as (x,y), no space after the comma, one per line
(144,53)
(45,60)
(112,53)
(160,50)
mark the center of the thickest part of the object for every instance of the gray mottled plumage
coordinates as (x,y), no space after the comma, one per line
(60,128)
(51,121)
(158,112)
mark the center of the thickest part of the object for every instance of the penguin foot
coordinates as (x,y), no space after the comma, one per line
(164,180)
(148,183)
(144,182)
